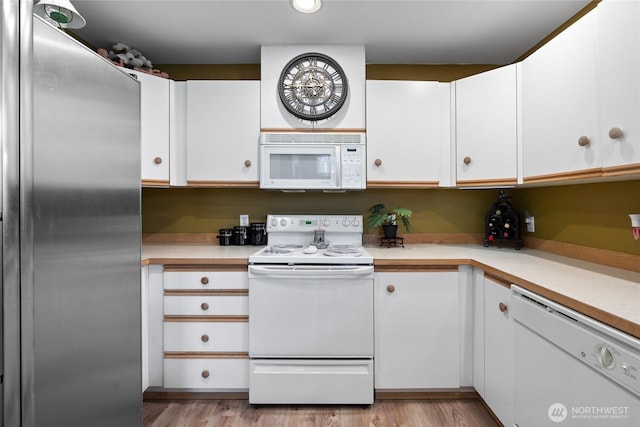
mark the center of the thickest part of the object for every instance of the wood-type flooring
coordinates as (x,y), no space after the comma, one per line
(384,413)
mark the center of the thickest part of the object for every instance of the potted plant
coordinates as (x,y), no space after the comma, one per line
(378,216)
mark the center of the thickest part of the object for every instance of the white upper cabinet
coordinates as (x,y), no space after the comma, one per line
(408,128)
(559,107)
(619,86)
(223,132)
(486,128)
(154,128)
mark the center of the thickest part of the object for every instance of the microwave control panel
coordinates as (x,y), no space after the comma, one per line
(353,172)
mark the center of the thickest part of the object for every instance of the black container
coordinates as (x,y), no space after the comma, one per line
(240,235)
(258,233)
(225,236)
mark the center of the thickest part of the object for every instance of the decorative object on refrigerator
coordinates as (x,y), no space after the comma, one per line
(502,223)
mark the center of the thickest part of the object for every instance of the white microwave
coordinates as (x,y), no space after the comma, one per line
(313,161)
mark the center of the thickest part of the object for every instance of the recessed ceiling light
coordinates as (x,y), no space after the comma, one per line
(306,6)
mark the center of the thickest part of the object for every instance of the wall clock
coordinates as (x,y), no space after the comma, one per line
(312,86)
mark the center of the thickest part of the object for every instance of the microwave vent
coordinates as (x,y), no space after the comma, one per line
(313,138)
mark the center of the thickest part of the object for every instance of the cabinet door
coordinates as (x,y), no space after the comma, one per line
(417,338)
(498,356)
(223,132)
(486,128)
(559,106)
(407,128)
(619,85)
(154,128)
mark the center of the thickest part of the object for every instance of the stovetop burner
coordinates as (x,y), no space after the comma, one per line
(342,250)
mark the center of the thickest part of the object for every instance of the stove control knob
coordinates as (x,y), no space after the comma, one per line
(345,222)
(274,222)
(355,222)
(604,356)
(283,222)
(325,222)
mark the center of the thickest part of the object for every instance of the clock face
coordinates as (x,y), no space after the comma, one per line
(312,86)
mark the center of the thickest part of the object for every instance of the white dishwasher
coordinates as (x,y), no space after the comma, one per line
(571,370)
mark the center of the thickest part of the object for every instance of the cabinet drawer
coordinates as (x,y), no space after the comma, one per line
(205,305)
(206,336)
(206,373)
(203,280)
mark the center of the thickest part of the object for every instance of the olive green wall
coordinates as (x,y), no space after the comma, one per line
(205,210)
(594,215)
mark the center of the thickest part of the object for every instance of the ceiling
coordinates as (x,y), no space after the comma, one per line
(392,31)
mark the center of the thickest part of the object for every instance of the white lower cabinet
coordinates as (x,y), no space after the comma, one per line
(207,373)
(418,330)
(496,380)
(199,318)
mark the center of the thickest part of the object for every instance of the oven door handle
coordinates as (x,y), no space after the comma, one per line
(277,271)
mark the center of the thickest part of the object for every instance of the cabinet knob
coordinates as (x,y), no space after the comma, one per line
(615,133)
(467,160)
(583,141)
(204,306)
(247,163)
(205,338)
(377,162)
(391,288)
(157,160)
(205,374)
(204,280)
(502,307)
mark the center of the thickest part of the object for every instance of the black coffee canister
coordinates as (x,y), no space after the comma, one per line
(240,235)
(225,236)
(258,233)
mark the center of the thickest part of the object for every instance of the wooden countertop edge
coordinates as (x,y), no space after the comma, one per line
(195,261)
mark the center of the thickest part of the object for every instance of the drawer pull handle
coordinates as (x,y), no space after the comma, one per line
(205,374)
(204,280)
(247,163)
(205,338)
(378,162)
(503,307)
(391,288)
(204,306)
(466,160)
(157,160)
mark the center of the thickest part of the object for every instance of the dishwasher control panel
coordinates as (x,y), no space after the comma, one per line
(611,352)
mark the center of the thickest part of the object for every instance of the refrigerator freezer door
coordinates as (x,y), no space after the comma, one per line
(80,279)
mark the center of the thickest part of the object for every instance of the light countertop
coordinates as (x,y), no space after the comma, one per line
(607,294)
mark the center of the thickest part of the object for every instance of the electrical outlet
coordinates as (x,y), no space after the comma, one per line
(531,223)
(244,220)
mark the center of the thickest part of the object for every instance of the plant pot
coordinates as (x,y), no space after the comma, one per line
(390,231)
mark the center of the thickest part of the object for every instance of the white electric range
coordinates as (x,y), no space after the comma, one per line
(311,313)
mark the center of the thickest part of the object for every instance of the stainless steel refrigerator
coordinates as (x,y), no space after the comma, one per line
(70,132)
